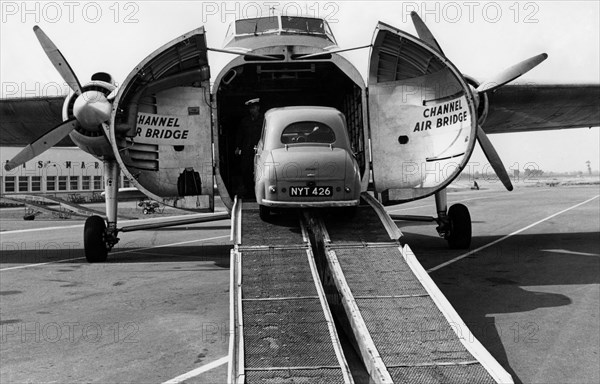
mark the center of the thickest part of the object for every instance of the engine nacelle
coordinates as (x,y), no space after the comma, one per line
(97,146)
(90,138)
(103,77)
(481,100)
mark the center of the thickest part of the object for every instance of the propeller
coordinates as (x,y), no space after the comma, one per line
(502,78)
(493,158)
(48,140)
(58,60)
(91,108)
(111,96)
(511,73)
(424,32)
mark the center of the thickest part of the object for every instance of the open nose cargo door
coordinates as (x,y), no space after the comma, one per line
(422,116)
(161,125)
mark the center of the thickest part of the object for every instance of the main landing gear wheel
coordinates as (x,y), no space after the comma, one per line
(459,236)
(93,240)
(264,212)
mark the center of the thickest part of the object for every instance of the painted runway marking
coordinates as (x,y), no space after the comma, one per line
(39,264)
(507,236)
(114,253)
(198,371)
(39,229)
(570,252)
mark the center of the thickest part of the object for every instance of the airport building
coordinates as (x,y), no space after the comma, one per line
(66,172)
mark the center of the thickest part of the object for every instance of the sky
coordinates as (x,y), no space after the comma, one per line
(480,38)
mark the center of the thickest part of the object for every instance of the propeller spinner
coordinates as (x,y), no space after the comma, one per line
(91,108)
(490,85)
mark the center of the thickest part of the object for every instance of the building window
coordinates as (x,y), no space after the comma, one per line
(36,183)
(9,184)
(62,183)
(51,183)
(126,183)
(23,183)
(74,183)
(86,182)
(98,182)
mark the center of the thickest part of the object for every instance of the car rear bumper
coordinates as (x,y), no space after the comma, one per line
(309,204)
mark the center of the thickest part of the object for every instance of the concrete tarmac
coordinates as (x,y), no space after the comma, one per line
(159,308)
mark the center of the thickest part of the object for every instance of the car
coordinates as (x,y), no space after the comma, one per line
(304,160)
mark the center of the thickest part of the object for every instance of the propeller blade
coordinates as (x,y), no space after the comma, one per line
(111,96)
(493,158)
(511,73)
(424,32)
(58,60)
(39,146)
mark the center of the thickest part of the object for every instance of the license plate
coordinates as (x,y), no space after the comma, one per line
(310,191)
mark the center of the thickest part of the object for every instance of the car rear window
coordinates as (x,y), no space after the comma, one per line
(307,132)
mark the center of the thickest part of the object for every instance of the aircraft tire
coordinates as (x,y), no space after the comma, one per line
(264,212)
(460,227)
(93,240)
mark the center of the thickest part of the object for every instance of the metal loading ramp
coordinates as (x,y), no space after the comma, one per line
(400,324)
(403,327)
(282,330)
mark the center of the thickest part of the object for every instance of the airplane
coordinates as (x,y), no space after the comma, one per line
(413,126)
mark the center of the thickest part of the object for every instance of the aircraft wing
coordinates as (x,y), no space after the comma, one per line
(525,108)
(23,120)
(513,108)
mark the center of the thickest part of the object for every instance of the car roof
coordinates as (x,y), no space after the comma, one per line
(276,119)
(302,113)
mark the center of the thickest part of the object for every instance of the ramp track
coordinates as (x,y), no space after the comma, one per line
(283,329)
(398,321)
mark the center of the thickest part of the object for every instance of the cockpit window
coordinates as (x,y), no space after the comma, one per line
(302,24)
(279,25)
(307,132)
(259,25)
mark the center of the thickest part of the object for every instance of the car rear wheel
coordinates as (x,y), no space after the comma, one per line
(349,212)
(264,212)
